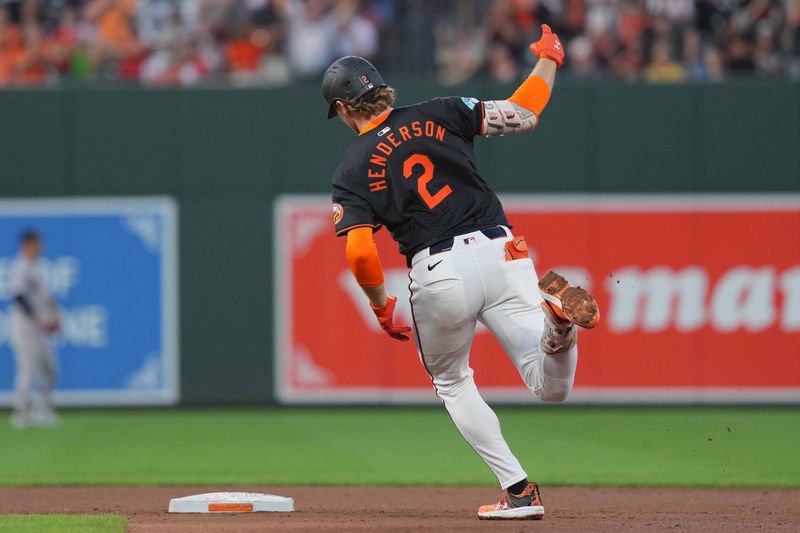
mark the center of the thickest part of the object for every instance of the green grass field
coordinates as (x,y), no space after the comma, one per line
(740,447)
(60,523)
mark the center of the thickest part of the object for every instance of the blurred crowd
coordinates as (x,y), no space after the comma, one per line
(274,42)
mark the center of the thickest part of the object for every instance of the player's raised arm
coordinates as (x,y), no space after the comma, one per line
(520,112)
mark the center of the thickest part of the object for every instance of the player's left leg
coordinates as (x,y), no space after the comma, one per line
(475,420)
(516,319)
(445,302)
(24,359)
(541,343)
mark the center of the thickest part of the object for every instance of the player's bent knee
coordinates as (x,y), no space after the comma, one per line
(554,395)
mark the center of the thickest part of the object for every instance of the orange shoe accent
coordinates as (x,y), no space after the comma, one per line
(569,303)
(510,508)
(559,314)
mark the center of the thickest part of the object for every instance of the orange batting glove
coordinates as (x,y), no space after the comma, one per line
(549,46)
(385,314)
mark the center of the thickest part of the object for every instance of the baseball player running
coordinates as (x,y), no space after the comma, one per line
(33,321)
(412,169)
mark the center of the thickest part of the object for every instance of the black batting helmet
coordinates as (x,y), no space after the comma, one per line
(29,235)
(348,79)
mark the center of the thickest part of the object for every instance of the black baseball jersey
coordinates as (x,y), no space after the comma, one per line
(415,173)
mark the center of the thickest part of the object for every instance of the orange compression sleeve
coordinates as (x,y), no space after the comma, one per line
(362,256)
(533,95)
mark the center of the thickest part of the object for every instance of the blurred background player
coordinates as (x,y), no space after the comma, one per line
(34,320)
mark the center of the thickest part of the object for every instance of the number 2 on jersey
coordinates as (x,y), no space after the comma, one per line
(431,200)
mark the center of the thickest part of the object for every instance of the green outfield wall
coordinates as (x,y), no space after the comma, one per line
(225,155)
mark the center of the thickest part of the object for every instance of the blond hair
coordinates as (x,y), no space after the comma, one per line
(374,102)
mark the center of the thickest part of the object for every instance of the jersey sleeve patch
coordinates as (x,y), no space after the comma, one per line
(351,210)
(470,102)
(338,213)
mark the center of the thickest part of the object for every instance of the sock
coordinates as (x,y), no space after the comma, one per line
(518,487)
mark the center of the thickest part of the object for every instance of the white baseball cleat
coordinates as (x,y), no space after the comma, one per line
(45,418)
(525,506)
(20,420)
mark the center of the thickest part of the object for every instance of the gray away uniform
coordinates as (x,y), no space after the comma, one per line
(33,353)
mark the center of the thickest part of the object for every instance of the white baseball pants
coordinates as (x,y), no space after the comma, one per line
(36,364)
(452,290)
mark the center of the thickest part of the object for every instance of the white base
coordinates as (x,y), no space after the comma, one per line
(231,502)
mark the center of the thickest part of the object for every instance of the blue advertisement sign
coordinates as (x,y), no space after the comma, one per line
(110,264)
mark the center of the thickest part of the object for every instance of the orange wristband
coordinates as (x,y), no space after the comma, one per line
(533,95)
(363,258)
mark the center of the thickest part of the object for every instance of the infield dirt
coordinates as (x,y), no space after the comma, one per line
(415,508)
